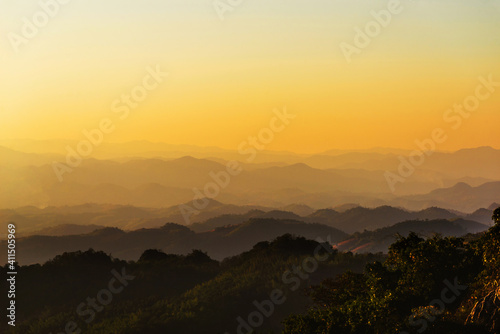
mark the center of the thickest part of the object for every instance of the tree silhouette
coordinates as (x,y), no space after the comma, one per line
(496,215)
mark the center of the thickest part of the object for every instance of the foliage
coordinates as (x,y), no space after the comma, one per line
(405,293)
(345,293)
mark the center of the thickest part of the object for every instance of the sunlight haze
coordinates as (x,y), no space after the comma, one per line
(226,77)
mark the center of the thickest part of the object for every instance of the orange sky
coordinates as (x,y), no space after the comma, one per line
(226,77)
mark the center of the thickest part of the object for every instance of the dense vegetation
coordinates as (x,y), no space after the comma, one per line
(426,285)
(289,285)
(172,293)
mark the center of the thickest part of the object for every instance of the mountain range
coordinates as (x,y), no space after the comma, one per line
(230,234)
(447,180)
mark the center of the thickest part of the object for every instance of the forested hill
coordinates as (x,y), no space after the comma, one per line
(162,293)
(225,241)
(290,285)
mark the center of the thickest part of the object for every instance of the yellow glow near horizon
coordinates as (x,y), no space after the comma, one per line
(226,77)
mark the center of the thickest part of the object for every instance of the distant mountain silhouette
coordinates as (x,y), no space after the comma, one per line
(461,197)
(230,240)
(31,220)
(66,229)
(345,207)
(474,162)
(380,239)
(298,209)
(171,238)
(12,158)
(316,181)
(235,219)
(350,220)
(359,218)
(494,206)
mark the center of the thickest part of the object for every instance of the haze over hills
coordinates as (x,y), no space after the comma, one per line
(471,162)
(459,197)
(380,239)
(317,181)
(145,149)
(173,238)
(32,220)
(127,231)
(222,242)
(128,197)
(229,166)
(351,220)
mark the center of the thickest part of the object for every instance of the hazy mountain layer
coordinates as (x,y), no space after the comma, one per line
(172,238)
(229,240)
(317,181)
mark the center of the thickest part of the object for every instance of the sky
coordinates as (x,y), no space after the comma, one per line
(225,77)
